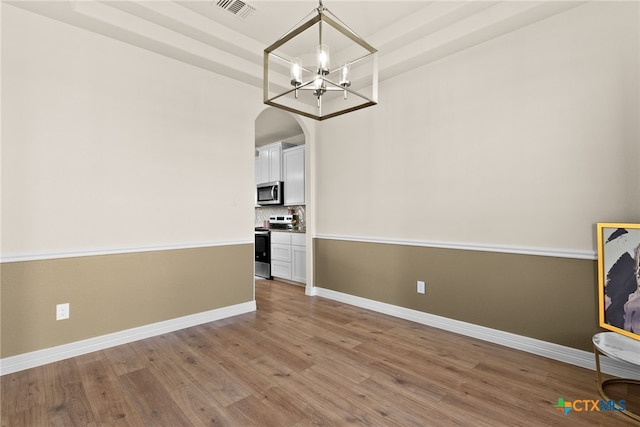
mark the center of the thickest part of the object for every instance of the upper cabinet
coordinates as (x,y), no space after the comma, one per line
(283,161)
(293,175)
(269,164)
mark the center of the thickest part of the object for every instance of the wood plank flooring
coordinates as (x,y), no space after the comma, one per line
(303,361)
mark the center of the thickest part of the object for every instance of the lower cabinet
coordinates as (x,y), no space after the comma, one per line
(299,263)
(289,256)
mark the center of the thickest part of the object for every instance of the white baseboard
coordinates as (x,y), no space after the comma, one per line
(531,345)
(20,362)
(558,352)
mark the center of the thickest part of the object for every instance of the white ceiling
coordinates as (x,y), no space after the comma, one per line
(407,34)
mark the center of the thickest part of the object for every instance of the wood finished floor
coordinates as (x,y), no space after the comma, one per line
(303,361)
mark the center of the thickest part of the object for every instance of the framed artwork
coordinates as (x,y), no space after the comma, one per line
(619,278)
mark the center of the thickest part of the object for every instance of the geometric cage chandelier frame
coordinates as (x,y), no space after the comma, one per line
(298,76)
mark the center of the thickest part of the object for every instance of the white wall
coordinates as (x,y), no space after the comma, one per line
(106,146)
(526,140)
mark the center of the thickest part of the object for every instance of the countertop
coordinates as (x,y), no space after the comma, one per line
(287,230)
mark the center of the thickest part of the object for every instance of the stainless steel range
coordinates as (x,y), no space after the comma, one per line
(263,242)
(282,222)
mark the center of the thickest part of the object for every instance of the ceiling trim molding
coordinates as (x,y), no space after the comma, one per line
(437,30)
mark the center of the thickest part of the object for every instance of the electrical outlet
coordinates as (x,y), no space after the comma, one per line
(420,287)
(62,311)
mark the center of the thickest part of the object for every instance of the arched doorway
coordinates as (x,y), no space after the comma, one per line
(274,126)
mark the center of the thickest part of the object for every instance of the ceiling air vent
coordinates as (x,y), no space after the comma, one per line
(237,7)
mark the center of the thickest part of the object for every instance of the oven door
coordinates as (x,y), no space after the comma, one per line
(263,254)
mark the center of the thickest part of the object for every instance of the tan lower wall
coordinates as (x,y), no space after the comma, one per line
(112,293)
(547,298)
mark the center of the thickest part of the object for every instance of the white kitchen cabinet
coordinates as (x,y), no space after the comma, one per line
(299,258)
(293,175)
(288,256)
(269,162)
(281,252)
(281,269)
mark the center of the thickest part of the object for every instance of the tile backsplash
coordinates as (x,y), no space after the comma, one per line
(263,213)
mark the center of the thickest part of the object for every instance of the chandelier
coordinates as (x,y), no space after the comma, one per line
(320,69)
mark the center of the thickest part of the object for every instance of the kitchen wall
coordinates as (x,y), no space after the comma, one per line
(484,174)
(127,185)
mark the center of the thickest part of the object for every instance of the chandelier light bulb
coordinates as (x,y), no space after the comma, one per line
(319,87)
(323,59)
(344,76)
(296,73)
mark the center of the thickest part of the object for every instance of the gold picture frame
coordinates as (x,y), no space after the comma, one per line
(619,278)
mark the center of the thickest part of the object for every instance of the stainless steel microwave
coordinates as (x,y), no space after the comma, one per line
(270,193)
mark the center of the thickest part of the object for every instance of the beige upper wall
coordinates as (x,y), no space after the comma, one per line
(526,140)
(108,146)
